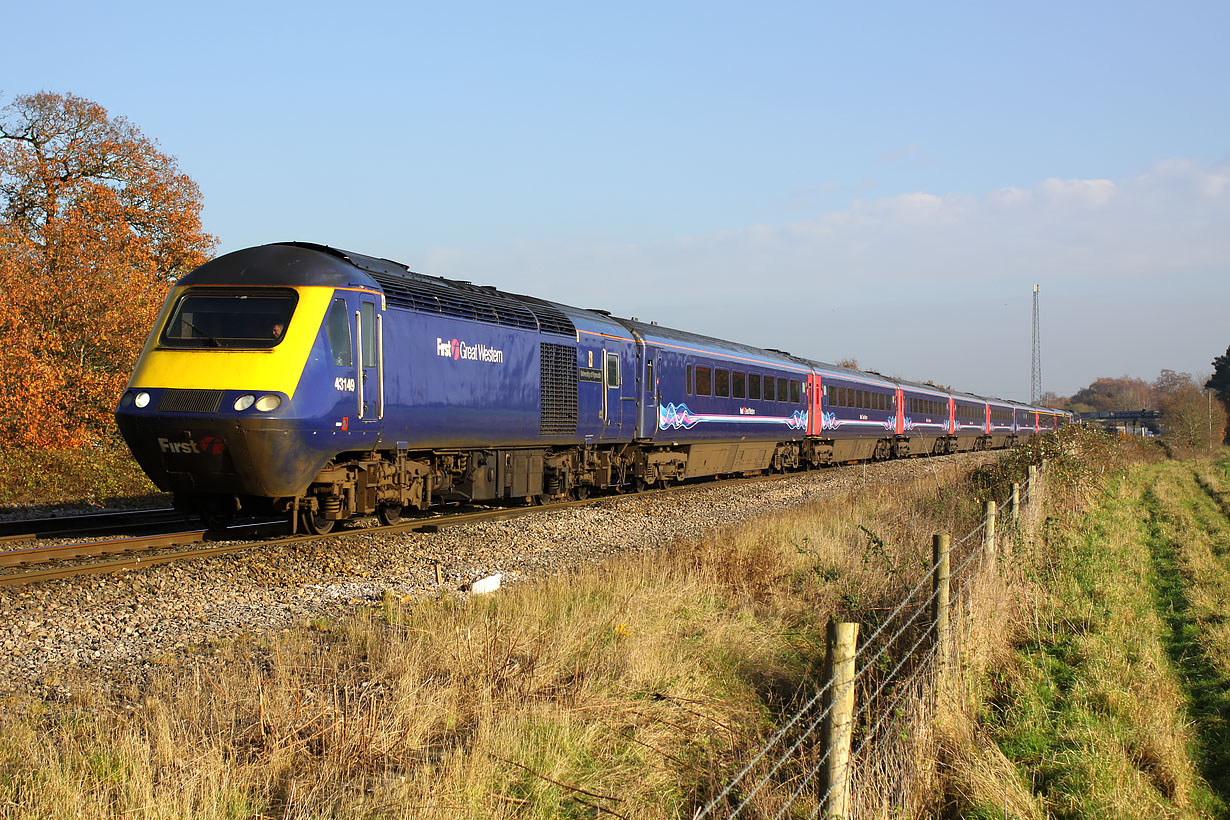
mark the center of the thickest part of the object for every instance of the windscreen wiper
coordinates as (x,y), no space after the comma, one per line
(211,339)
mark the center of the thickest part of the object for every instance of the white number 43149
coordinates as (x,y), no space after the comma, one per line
(343,384)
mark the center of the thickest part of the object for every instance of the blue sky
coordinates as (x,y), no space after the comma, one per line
(883,183)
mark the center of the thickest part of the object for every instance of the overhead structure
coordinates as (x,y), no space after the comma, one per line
(1035,389)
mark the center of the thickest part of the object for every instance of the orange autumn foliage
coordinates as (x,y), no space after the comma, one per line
(95,225)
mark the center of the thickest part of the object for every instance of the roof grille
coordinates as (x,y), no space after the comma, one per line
(468,302)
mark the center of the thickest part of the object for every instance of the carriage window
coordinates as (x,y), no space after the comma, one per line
(689,385)
(612,370)
(830,396)
(721,382)
(781,389)
(738,385)
(337,328)
(795,392)
(753,385)
(704,381)
(768,388)
(841,397)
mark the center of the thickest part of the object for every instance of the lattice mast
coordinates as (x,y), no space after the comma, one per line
(1035,389)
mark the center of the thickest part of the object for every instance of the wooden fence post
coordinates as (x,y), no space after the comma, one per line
(1032,490)
(839,725)
(1014,501)
(939,588)
(988,534)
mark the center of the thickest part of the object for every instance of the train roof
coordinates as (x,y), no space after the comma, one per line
(279,264)
(687,340)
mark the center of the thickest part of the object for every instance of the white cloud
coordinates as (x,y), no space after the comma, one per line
(879,274)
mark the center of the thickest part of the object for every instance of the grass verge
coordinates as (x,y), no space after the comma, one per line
(1114,702)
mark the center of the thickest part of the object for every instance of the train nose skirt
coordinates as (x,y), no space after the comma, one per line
(190,401)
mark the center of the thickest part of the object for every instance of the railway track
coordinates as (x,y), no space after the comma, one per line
(98,523)
(147,551)
(137,552)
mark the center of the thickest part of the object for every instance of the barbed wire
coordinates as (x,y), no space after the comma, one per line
(862,669)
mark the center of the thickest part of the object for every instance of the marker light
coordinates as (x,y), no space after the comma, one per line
(268,403)
(244,402)
(142,399)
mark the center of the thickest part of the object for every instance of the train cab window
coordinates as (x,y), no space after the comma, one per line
(796,392)
(206,317)
(738,385)
(689,384)
(337,329)
(704,381)
(367,332)
(781,389)
(769,383)
(753,385)
(612,370)
(721,382)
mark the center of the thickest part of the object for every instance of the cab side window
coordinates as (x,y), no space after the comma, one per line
(337,329)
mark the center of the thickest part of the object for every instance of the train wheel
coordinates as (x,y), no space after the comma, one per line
(580,492)
(389,514)
(314,524)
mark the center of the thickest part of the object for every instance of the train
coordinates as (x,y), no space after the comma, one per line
(302,380)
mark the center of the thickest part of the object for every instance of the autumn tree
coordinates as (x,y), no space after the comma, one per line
(1106,395)
(1189,415)
(95,225)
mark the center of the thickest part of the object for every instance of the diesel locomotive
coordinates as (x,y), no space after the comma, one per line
(303,380)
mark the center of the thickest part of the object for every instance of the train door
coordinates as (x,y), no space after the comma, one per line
(900,414)
(612,395)
(650,394)
(370,361)
(815,394)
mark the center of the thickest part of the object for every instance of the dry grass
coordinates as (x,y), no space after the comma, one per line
(632,689)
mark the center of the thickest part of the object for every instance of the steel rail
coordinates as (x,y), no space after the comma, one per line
(84,523)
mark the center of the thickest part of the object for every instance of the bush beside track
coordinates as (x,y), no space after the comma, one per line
(92,475)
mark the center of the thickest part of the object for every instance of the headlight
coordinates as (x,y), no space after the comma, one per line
(268,403)
(244,402)
(142,399)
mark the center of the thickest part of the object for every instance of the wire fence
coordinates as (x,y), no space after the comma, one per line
(852,728)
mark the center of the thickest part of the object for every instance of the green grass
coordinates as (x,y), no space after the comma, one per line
(1112,705)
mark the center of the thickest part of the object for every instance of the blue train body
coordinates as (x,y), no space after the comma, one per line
(323,383)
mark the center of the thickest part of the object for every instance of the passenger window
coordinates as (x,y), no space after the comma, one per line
(721,383)
(781,389)
(738,386)
(612,370)
(830,396)
(795,392)
(704,381)
(368,332)
(689,385)
(768,388)
(753,386)
(841,397)
(337,328)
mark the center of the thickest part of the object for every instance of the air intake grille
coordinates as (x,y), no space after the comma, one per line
(468,302)
(559,390)
(190,401)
